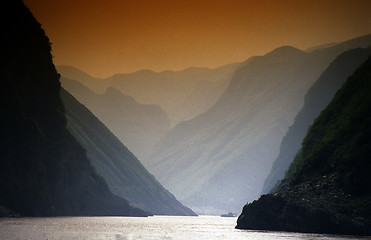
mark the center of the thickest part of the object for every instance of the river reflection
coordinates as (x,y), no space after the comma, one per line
(127,228)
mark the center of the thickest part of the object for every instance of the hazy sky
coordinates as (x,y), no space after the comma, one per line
(103,37)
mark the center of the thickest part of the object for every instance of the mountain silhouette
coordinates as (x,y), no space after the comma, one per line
(181,94)
(44,170)
(327,188)
(124,174)
(219,160)
(138,126)
(317,98)
(96,85)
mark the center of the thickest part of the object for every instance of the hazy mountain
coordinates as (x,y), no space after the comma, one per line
(219,160)
(138,126)
(97,85)
(44,170)
(181,94)
(206,93)
(202,97)
(125,175)
(327,188)
(317,98)
(322,46)
(170,89)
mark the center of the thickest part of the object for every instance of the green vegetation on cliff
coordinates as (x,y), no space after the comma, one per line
(316,99)
(327,188)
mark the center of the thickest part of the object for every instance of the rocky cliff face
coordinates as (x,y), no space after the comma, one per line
(44,170)
(327,188)
(317,98)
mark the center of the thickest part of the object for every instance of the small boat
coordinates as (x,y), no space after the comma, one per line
(230,214)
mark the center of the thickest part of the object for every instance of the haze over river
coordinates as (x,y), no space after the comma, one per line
(127,228)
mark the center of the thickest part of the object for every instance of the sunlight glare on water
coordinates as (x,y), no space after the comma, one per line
(128,228)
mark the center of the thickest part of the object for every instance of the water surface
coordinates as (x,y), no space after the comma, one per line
(127,228)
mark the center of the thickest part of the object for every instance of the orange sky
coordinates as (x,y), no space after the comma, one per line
(103,37)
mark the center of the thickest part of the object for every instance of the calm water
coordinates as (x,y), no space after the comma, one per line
(158,227)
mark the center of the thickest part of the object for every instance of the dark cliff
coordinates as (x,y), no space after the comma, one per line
(327,188)
(44,171)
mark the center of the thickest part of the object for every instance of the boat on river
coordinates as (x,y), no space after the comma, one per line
(230,214)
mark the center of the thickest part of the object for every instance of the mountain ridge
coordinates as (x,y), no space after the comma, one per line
(149,87)
(216,146)
(124,116)
(317,97)
(125,175)
(327,186)
(44,170)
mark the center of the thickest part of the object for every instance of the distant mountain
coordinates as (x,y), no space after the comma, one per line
(44,170)
(327,188)
(96,85)
(207,92)
(317,98)
(219,160)
(138,126)
(125,175)
(322,46)
(181,94)
(202,97)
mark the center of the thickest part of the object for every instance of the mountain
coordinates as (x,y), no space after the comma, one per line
(138,126)
(96,85)
(170,89)
(317,98)
(124,174)
(327,188)
(44,170)
(219,160)
(181,94)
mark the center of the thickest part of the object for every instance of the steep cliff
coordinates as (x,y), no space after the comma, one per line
(44,171)
(124,174)
(327,188)
(317,98)
(138,126)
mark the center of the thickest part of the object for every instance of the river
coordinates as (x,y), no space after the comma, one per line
(127,228)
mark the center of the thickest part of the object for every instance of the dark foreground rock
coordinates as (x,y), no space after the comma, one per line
(6,213)
(279,214)
(44,171)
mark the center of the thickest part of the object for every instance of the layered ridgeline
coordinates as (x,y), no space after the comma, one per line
(124,174)
(219,160)
(181,94)
(317,98)
(96,85)
(327,188)
(138,126)
(44,170)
